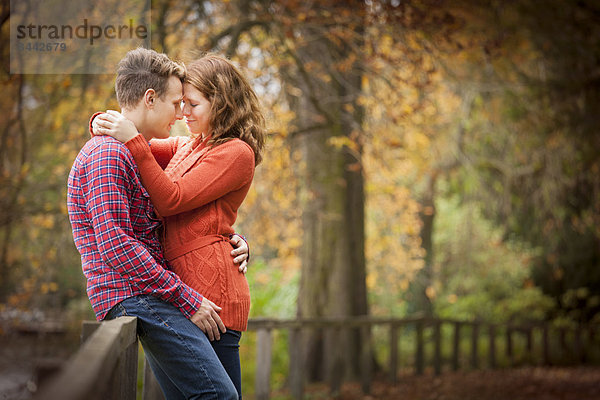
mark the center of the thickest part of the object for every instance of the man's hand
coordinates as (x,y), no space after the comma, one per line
(240,252)
(207,319)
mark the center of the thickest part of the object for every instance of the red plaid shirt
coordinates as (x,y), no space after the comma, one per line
(114,228)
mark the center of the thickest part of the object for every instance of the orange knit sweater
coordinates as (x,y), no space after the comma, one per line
(198,195)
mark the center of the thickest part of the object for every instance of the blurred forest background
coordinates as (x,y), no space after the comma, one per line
(426,156)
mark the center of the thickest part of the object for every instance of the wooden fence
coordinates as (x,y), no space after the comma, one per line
(106,365)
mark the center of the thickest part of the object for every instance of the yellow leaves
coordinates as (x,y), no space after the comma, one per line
(347,64)
(48,287)
(66,82)
(43,221)
(430,292)
(371,281)
(340,141)
(386,43)
(364,84)
(404,284)
(417,141)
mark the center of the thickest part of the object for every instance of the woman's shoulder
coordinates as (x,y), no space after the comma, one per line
(234,149)
(236,146)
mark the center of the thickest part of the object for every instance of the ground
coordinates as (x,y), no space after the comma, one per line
(576,383)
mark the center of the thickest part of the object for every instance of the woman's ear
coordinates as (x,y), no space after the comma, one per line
(149,98)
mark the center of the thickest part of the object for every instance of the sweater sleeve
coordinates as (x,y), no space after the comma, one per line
(225,168)
(164,149)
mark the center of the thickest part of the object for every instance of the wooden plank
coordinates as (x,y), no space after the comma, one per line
(437,353)
(529,344)
(419,349)
(366,359)
(296,364)
(123,384)
(255,324)
(263,364)
(578,345)
(474,345)
(509,346)
(545,345)
(394,353)
(335,370)
(87,329)
(88,372)
(563,348)
(151,388)
(492,352)
(456,346)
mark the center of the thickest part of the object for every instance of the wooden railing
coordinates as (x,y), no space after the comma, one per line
(106,365)
(576,345)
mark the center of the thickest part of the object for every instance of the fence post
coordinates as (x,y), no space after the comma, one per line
(333,336)
(562,338)
(456,346)
(492,333)
(366,357)
(123,381)
(104,367)
(124,385)
(263,364)
(509,346)
(87,329)
(577,344)
(474,344)
(437,355)
(419,362)
(529,337)
(393,353)
(296,364)
(545,344)
(151,388)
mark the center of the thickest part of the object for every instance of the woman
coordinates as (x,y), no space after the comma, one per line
(205,180)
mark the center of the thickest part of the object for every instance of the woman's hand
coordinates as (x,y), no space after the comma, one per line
(240,253)
(113,123)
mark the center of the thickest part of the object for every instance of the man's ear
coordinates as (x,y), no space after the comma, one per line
(149,98)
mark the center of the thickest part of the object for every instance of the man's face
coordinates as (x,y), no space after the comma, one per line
(166,110)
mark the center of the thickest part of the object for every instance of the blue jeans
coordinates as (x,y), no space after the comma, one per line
(228,351)
(179,353)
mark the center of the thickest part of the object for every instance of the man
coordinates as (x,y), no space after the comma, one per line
(114,230)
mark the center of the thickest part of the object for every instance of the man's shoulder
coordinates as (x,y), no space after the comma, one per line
(104,149)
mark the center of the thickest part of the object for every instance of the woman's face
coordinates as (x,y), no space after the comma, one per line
(196,110)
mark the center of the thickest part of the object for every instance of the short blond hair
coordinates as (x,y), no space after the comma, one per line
(142,69)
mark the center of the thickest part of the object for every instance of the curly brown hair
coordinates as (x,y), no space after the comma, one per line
(235,111)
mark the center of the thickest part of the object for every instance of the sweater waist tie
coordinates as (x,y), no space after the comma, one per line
(198,243)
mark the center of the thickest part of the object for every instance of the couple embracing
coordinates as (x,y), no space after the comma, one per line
(152,216)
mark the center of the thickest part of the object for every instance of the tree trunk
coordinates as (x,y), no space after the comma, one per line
(333,274)
(421,301)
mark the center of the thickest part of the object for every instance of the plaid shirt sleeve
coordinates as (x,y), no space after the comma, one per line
(107,194)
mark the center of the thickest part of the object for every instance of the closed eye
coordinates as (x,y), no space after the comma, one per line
(190,103)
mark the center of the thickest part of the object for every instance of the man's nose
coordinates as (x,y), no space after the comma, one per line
(186,110)
(179,113)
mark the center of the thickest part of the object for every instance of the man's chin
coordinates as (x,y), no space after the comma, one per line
(162,135)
